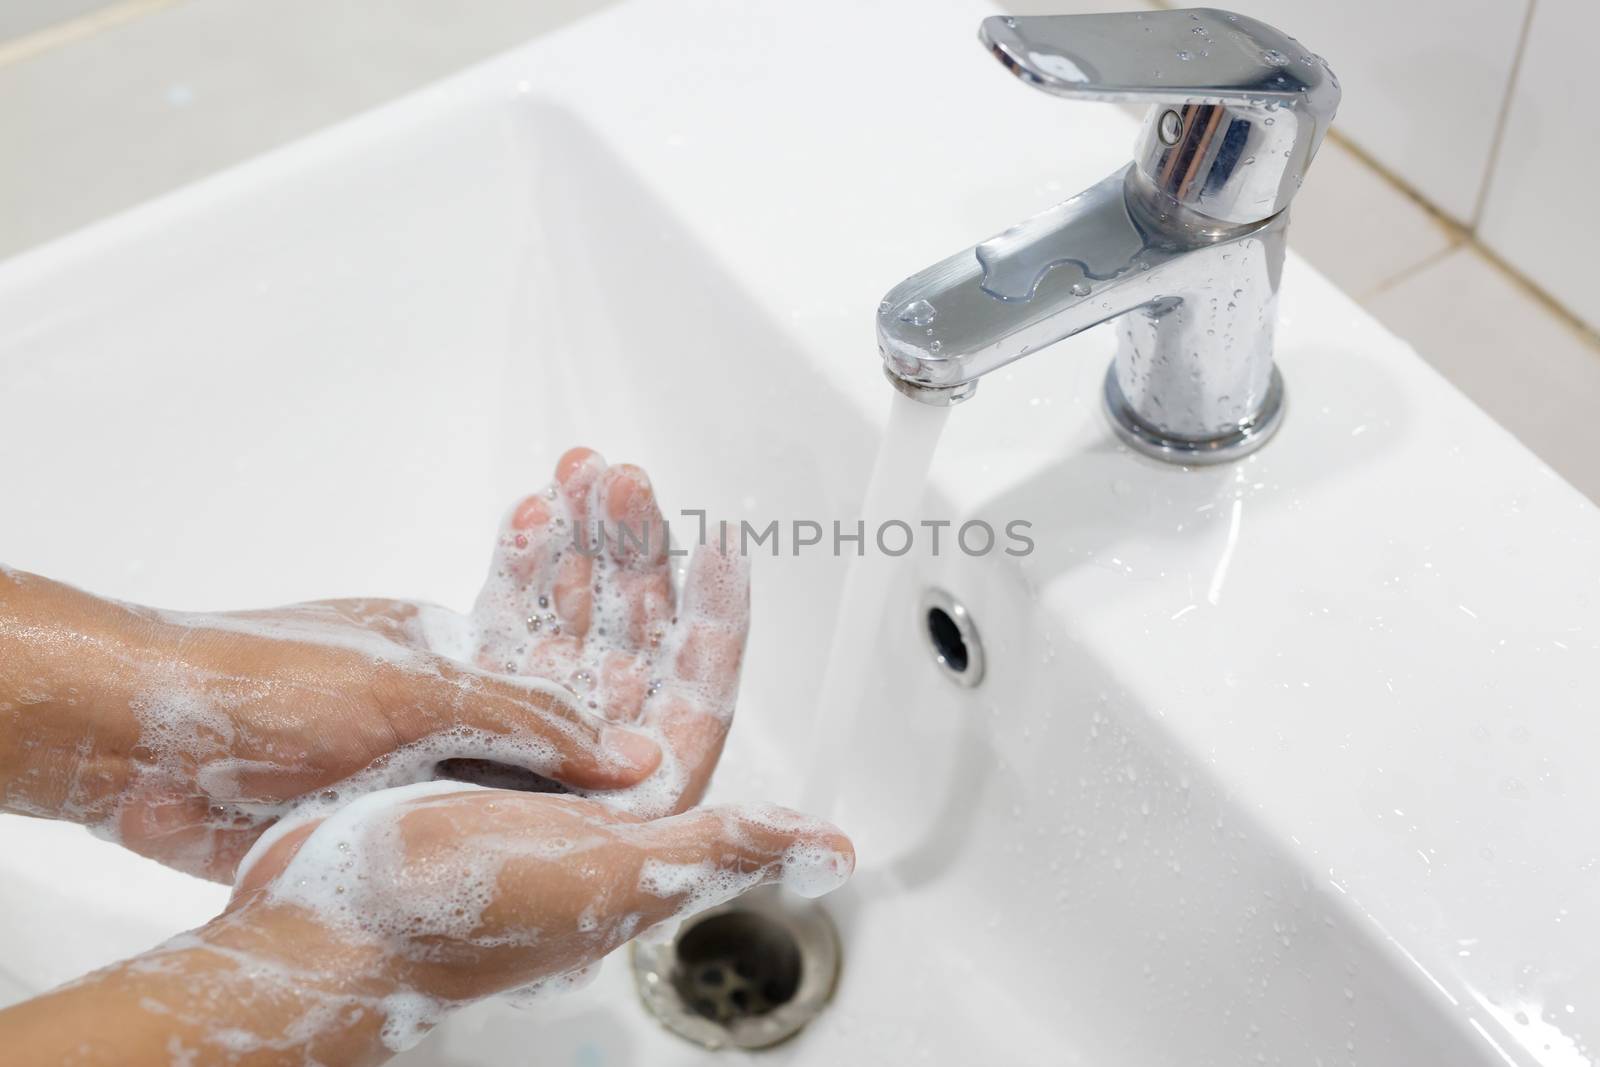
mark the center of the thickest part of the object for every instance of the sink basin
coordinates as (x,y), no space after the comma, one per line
(1288,761)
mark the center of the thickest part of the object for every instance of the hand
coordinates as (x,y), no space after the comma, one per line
(448,896)
(348,937)
(581,593)
(185,736)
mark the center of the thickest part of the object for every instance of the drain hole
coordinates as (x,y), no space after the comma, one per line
(737,965)
(748,974)
(948,644)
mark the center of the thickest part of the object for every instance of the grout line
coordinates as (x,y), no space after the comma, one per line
(64,33)
(1557,309)
(1503,120)
(1462,237)
(1387,283)
(1451,224)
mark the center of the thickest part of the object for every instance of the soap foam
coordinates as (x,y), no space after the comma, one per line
(407,1019)
(527,996)
(297,1006)
(517,615)
(808,867)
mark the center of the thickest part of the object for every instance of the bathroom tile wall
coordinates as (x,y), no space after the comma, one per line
(1548,159)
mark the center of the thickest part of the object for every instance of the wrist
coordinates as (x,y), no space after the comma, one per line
(254,985)
(292,941)
(309,979)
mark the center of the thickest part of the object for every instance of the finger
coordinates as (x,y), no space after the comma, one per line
(639,602)
(693,706)
(516,601)
(576,473)
(525,722)
(713,622)
(702,858)
(624,491)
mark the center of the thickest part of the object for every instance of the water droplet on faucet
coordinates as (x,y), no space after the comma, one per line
(917,313)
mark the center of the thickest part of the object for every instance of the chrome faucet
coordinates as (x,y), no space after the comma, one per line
(1183,247)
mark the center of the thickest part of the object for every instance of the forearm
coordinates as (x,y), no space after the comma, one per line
(67,674)
(242,991)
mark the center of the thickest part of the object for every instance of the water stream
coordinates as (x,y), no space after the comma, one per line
(894,491)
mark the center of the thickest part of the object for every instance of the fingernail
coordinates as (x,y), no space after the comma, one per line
(635,749)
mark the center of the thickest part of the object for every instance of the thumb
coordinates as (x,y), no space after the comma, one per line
(708,856)
(529,723)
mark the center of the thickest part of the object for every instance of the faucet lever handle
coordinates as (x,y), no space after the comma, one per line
(1220,83)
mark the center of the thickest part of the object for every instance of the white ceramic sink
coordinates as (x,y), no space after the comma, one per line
(1289,761)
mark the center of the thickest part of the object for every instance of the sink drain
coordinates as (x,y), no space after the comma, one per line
(747,975)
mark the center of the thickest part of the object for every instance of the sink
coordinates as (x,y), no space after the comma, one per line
(1286,761)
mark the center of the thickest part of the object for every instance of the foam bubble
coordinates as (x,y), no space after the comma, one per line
(352,872)
(813,870)
(407,1019)
(524,997)
(701,885)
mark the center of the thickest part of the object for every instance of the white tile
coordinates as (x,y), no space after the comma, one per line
(1356,227)
(1529,369)
(19,17)
(1548,159)
(1423,80)
(109,120)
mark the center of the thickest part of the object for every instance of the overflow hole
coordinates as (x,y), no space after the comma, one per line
(952,638)
(948,647)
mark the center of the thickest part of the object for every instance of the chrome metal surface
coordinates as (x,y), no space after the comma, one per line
(953,639)
(931,394)
(1244,440)
(1183,247)
(1254,103)
(748,974)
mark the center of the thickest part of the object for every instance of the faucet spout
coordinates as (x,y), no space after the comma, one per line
(1195,301)
(1057,274)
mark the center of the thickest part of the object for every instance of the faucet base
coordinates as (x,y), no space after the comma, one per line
(1142,437)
